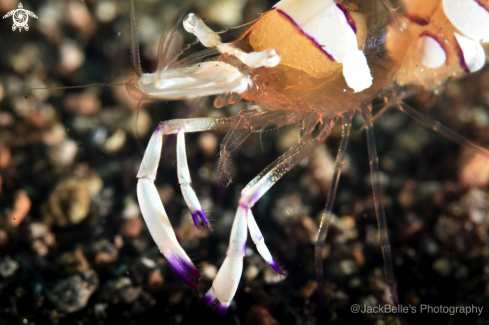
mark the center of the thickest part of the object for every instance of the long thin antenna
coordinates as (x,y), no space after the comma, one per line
(136,132)
(379,209)
(82,86)
(443,130)
(323,227)
(167,39)
(135,59)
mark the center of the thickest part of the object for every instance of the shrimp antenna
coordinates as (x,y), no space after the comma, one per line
(135,58)
(82,86)
(136,132)
(323,227)
(379,208)
(169,40)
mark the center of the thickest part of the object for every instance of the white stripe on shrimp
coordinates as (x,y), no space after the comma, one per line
(329,27)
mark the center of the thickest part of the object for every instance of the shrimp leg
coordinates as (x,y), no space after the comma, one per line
(323,227)
(379,208)
(440,128)
(151,207)
(227,279)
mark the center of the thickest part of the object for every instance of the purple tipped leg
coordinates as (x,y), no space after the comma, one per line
(276,268)
(190,268)
(204,219)
(185,270)
(195,218)
(210,299)
(182,274)
(221,309)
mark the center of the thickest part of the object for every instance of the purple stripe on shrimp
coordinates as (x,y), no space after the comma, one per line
(316,43)
(244,207)
(348,17)
(461,58)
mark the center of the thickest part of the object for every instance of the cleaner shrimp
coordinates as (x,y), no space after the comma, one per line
(295,71)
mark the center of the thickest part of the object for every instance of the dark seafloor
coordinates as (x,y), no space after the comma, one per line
(75,250)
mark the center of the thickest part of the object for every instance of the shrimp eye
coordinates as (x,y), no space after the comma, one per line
(190,22)
(272,58)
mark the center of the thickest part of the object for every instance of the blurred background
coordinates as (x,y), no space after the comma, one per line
(75,250)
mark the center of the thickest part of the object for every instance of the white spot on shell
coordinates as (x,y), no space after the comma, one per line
(431,53)
(468,17)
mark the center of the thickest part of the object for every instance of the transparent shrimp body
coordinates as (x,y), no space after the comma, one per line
(305,62)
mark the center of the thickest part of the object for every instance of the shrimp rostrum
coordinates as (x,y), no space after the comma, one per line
(307,63)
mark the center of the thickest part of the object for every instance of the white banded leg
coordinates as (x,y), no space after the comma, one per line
(227,279)
(259,241)
(186,183)
(155,215)
(152,209)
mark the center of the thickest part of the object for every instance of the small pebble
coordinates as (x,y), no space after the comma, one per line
(473,169)
(71,58)
(8,266)
(132,227)
(155,280)
(209,270)
(443,267)
(270,276)
(72,294)
(5,157)
(103,258)
(86,103)
(308,290)
(358,256)
(208,143)
(74,262)
(259,315)
(79,17)
(69,203)
(251,272)
(115,142)
(347,267)
(64,154)
(3,237)
(20,209)
(39,247)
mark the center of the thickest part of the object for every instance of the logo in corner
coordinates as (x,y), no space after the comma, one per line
(20,17)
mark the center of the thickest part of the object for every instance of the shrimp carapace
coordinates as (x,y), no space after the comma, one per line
(417,45)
